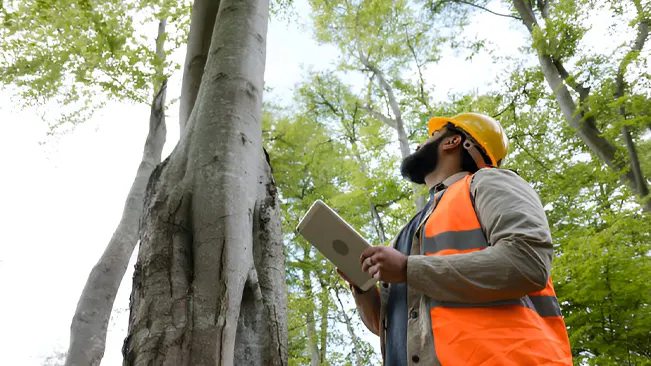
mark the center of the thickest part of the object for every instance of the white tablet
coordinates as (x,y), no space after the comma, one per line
(337,241)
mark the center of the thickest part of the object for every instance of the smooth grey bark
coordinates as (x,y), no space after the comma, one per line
(209,283)
(202,22)
(90,322)
(585,125)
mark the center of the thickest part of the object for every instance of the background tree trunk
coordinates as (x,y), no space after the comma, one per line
(325,309)
(351,331)
(90,322)
(209,284)
(395,123)
(376,220)
(309,316)
(620,86)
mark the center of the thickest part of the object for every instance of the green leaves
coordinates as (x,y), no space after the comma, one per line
(339,140)
(69,52)
(605,298)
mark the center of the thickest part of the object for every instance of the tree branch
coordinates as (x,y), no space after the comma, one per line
(202,22)
(434,6)
(423,99)
(89,324)
(508,106)
(620,85)
(381,117)
(395,109)
(386,204)
(487,10)
(585,126)
(584,92)
(542,6)
(393,102)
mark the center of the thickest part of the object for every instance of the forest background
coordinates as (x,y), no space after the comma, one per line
(349,86)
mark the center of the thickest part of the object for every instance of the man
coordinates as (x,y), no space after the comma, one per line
(467,280)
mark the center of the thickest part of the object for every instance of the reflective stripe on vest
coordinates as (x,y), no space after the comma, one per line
(526,331)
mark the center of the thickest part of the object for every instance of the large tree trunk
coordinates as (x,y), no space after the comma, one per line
(585,126)
(209,284)
(90,322)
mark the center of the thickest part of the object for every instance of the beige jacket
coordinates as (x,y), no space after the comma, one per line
(517,262)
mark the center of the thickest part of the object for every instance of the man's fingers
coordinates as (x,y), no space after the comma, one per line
(379,256)
(374,270)
(368,252)
(368,262)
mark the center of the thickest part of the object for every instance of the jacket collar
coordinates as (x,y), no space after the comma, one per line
(447,182)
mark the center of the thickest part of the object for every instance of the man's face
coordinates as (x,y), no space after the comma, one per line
(423,161)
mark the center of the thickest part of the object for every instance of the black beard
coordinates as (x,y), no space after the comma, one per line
(416,166)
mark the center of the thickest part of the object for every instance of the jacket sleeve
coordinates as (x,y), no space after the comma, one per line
(518,259)
(368,305)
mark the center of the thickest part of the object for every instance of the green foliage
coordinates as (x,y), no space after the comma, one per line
(372,165)
(606,300)
(69,52)
(384,39)
(311,163)
(601,238)
(331,144)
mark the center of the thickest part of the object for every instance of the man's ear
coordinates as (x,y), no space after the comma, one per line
(451,142)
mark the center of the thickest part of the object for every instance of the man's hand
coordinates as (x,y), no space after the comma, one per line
(385,264)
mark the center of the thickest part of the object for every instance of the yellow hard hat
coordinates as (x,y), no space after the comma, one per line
(485,130)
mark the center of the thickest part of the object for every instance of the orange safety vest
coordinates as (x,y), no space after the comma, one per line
(526,331)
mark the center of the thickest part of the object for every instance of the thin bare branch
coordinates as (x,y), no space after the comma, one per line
(381,117)
(438,4)
(423,98)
